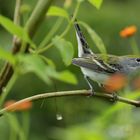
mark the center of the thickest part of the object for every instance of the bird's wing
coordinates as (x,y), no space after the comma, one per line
(97,64)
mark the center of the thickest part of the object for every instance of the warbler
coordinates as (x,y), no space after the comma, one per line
(95,67)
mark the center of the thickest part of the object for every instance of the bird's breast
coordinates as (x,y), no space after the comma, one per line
(95,76)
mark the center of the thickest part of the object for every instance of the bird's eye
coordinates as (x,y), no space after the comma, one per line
(138,60)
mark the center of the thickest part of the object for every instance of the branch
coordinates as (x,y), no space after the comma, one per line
(69,93)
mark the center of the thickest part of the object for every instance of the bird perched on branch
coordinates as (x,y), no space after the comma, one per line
(95,67)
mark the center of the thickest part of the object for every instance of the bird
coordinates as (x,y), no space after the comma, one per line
(95,68)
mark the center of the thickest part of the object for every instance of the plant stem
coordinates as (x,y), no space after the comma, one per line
(31,27)
(134,46)
(17,12)
(69,93)
(7,70)
(25,123)
(17,16)
(12,135)
(37,16)
(51,33)
(6,89)
(15,125)
(41,50)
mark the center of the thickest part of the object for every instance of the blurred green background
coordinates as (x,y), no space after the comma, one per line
(83,118)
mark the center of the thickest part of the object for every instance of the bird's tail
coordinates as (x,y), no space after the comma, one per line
(83,47)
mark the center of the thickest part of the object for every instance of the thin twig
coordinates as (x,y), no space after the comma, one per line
(17,16)
(69,93)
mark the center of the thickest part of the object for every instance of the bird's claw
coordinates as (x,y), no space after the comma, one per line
(114,97)
(92,93)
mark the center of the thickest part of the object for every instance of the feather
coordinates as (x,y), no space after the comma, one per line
(97,64)
(83,47)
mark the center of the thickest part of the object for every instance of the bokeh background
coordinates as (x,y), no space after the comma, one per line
(83,118)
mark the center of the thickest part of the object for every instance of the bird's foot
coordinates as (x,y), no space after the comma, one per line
(114,97)
(92,93)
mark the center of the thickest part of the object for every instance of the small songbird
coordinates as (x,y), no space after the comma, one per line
(95,67)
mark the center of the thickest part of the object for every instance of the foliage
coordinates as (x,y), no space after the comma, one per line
(64,46)
(15,30)
(57,11)
(96,3)
(50,52)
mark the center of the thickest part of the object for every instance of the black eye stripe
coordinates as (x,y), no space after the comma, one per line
(138,60)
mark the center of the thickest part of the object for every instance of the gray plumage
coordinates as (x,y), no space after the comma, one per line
(113,64)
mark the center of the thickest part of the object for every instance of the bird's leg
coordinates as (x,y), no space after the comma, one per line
(91,88)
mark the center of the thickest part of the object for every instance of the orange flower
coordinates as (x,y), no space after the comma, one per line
(12,106)
(115,82)
(128,31)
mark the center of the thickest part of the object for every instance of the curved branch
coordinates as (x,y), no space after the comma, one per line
(69,93)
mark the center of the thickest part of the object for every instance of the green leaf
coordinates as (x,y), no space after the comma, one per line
(48,61)
(33,63)
(7,56)
(96,38)
(65,48)
(15,30)
(14,124)
(96,3)
(57,11)
(65,76)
